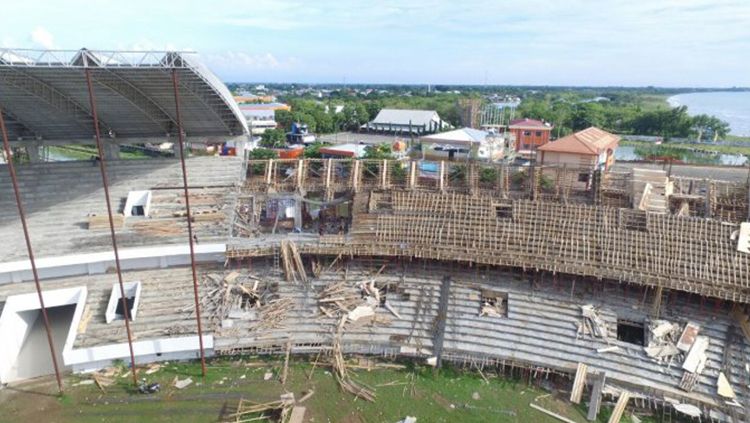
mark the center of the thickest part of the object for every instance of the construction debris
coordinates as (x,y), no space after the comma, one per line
(494,304)
(251,411)
(244,297)
(292,262)
(551,413)
(662,338)
(298,414)
(182,384)
(306,396)
(688,337)
(578,384)
(340,372)
(724,388)
(622,402)
(358,301)
(592,323)
(696,358)
(688,410)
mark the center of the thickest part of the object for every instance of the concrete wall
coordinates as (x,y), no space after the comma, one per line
(97,263)
(160,349)
(20,313)
(568,159)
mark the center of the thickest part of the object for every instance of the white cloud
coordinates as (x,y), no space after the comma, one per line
(43,38)
(244,60)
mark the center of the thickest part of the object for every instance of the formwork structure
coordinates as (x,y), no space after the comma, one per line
(663,237)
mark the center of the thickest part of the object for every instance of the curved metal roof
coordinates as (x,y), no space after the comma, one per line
(43,95)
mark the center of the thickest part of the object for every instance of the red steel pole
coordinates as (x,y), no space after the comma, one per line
(181,142)
(105,184)
(22,215)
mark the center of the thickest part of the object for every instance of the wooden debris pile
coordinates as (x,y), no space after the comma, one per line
(338,297)
(339,368)
(494,304)
(662,343)
(275,411)
(245,222)
(358,302)
(294,269)
(271,314)
(244,297)
(592,323)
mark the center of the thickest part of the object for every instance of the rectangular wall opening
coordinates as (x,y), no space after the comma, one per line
(493,303)
(34,357)
(138,203)
(631,332)
(24,351)
(115,310)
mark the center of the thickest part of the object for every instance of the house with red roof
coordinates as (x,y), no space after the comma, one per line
(591,149)
(530,134)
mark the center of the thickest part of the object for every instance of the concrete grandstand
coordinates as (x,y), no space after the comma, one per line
(639,279)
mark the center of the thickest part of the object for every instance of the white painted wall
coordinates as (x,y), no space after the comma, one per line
(97,263)
(180,348)
(132,289)
(15,321)
(137,198)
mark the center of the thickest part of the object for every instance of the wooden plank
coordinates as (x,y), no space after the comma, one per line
(622,402)
(596,396)
(578,384)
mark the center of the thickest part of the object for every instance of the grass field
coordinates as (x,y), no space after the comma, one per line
(84,152)
(447,396)
(711,148)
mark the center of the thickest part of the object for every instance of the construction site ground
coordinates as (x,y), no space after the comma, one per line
(448,396)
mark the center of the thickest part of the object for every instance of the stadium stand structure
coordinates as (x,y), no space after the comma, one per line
(545,273)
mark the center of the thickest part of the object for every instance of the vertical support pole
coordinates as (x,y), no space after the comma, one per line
(356,175)
(384,177)
(181,139)
(22,216)
(300,174)
(413,175)
(105,185)
(269,172)
(441,176)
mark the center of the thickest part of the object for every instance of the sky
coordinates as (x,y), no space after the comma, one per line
(670,43)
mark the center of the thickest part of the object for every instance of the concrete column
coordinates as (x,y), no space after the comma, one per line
(34,152)
(111,151)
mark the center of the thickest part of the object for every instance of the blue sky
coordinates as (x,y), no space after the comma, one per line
(571,42)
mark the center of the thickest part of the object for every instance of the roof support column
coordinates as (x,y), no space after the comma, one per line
(105,184)
(22,215)
(181,142)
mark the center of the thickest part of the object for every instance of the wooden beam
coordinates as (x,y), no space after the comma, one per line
(622,402)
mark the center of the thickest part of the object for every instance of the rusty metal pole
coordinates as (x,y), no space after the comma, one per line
(181,142)
(22,215)
(105,184)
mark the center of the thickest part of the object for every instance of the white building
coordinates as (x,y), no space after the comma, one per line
(407,121)
(259,120)
(463,144)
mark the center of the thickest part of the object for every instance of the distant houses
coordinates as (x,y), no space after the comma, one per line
(407,121)
(463,144)
(591,148)
(530,134)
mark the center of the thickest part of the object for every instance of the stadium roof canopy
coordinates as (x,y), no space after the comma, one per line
(44,96)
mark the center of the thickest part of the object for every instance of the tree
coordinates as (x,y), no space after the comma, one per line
(312,151)
(708,125)
(273,138)
(380,152)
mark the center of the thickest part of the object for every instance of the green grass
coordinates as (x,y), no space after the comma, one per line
(445,396)
(710,148)
(84,152)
